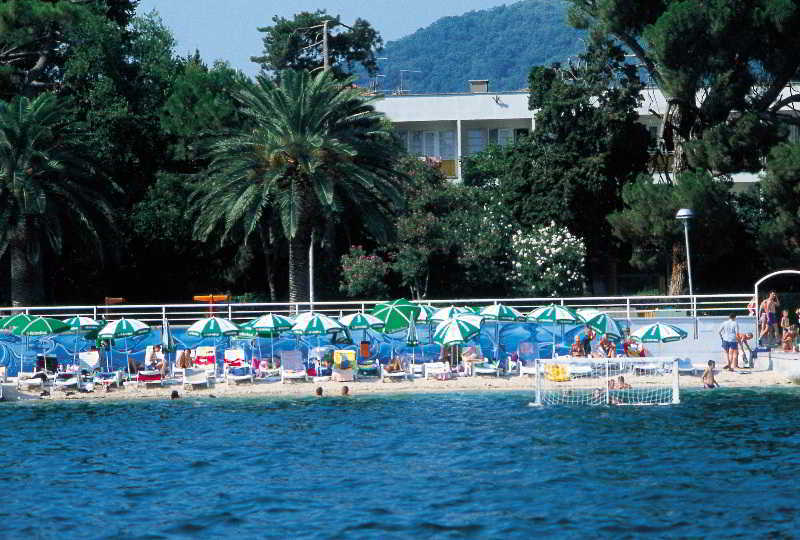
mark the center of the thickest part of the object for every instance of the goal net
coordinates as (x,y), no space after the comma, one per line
(606,381)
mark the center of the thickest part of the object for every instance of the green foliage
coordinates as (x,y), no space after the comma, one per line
(317,145)
(547,261)
(48,187)
(297,44)
(722,66)
(498,44)
(648,221)
(363,275)
(779,231)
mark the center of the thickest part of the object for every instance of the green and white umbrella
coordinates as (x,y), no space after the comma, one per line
(13,321)
(80,324)
(213,327)
(41,326)
(446,313)
(475,310)
(605,324)
(270,325)
(554,314)
(123,329)
(456,331)
(425,313)
(396,315)
(315,324)
(588,313)
(360,321)
(500,312)
(659,333)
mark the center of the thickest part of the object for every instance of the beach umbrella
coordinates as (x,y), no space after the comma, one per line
(475,310)
(80,324)
(315,324)
(425,313)
(361,321)
(554,314)
(412,341)
(396,315)
(446,313)
(456,331)
(41,326)
(167,339)
(212,327)
(605,324)
(270,326)
(588,313)
(659,333)
(500,312)
(123,329)
(13,321)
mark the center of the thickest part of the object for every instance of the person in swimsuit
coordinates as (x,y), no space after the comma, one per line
(621,384)
(588,336)
(577,348)
(772,313)
(708,376)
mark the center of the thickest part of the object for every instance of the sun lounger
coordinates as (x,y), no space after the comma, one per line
(66,381)
(292,367)
(239,374)
(177,370)
(108,378)
(206,358)
(431,370)
(527,354)
(194,377)
(394,375)
(344,363)
(31,379)
(149,377)
(234,357)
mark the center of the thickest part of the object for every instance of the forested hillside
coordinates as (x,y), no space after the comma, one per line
(499,44)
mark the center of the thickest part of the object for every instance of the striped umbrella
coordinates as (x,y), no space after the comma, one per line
(360,321)
(588,313)
(41,326)
(500,312)
(13,321)
(315,324)
(213,327)
(270,326)
(446,313)
(476,310)
(456,331)
(659,333)
(604,324)
(123,329)
(554,314)
(80,324)
(425,313)
(396,315)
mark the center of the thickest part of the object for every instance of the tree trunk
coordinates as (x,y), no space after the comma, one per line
(27,279)
(298,265)
(676,280)
(268,245)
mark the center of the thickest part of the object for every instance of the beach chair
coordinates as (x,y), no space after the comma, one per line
(433,370)
(344,362)
(292,367)
(194,377)
(66,380)
(206,358)
(234,357)
(395,375)
(29,380)
(177,370)
(107,379)
(149,377)
(239,374)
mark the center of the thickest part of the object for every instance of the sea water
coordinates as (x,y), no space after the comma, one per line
(722,463)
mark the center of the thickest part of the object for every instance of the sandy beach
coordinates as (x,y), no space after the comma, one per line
(739,379)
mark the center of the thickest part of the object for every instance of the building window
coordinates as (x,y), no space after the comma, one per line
(415,144)
(447,144)
(476,140)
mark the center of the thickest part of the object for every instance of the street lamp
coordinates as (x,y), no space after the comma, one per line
(685,214)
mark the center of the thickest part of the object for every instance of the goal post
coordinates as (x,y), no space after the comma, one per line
(607,381)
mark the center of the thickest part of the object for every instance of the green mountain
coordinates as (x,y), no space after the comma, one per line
(500,44)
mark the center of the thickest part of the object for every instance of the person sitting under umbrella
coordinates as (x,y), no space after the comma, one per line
(395,365)
(577,348)
(607,347)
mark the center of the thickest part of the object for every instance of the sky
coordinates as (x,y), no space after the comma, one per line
(226,29)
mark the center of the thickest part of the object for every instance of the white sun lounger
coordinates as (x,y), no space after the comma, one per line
(193,377)
(292,367)
(66,381)
(239,374)
(395,375)
(431,369)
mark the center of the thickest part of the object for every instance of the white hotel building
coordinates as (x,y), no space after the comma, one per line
(451,126)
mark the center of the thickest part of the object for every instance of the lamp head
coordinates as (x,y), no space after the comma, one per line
(684,214)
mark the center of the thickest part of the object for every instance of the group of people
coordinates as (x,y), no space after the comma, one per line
(604,347)
(771,329)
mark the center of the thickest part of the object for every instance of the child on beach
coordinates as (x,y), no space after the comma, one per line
(708,376)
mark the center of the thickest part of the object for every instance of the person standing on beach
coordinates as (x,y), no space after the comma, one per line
(730,345)
(772,314)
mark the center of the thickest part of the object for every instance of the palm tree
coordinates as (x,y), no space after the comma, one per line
(47,187)
(312,146)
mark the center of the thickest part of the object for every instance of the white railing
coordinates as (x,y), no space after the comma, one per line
(621,307)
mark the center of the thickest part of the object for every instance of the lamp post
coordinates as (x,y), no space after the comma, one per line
(685,214)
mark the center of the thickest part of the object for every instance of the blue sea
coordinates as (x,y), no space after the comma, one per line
(722,463)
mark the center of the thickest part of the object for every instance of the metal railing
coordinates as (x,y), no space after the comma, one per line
(621,307)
